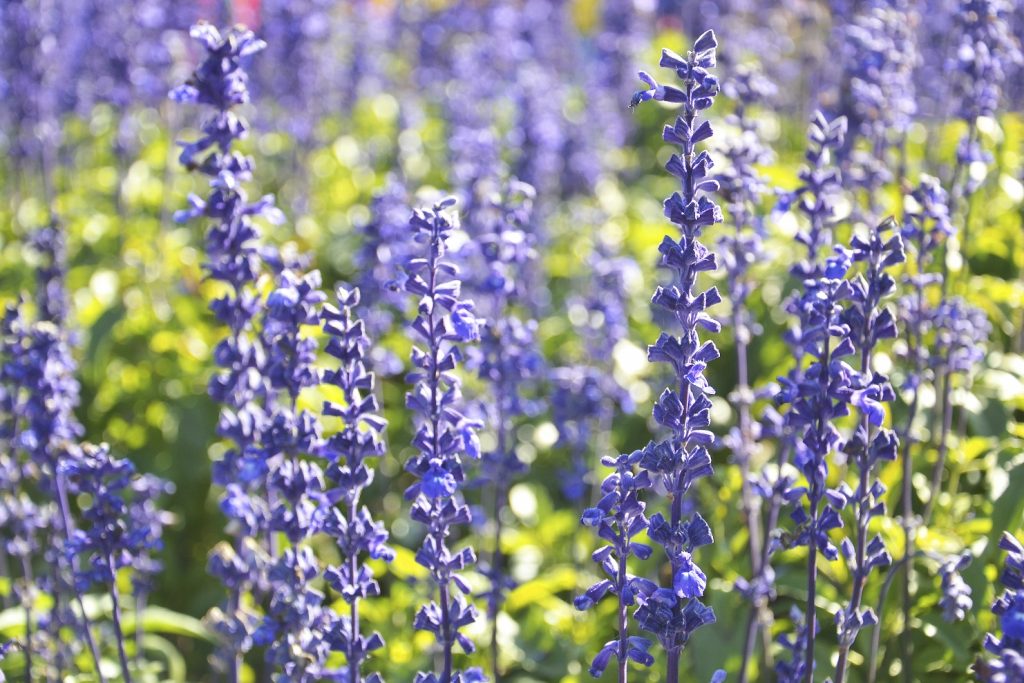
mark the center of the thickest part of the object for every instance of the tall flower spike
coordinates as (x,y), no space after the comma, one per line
(349,451)
(879,55)
(744,190)
(815,199)
(926,226)
(676,463)
(869,322)
(617,518)
(297,627)
(1008,663)
(444,436)
(587,396)
(47,432)
(110,539)
(508,361)
(233,260)
(817,395)
(988,51)
(816,195)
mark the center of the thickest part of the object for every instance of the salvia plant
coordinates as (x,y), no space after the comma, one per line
(234,260)
(349,453)
(445,437)
(1007,664)
(673,465)
(508,361)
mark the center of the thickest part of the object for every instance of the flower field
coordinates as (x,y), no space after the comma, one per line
(525,341)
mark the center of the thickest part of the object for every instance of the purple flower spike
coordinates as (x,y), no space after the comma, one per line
(234,258)
(444,436)
(676,463)
(1008,662)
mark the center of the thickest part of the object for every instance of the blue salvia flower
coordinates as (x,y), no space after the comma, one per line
(51,292)
(618,518)
(818,394)
(816,195)
(384,249)
(869,321)
(348,453)
(744,189)
(987,51)
(508,361)
(24,523)
(578,403)
(110,539)
(444,436)
(794,667)
(1008,663)
(233,259)
(961,337)
(618,41)
(48,433)
(297,625)
(815,198)
(586,397)
(296,32)
(955,601)
(676,463)
(985,54)
(926,226)
(880,57)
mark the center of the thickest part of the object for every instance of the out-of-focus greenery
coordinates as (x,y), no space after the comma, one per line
(145,339)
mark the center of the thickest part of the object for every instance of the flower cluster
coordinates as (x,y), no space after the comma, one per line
(1008,663)
(508,361)
(234,261)
(348,453)
(297,627)
(110,539)
(880,56)
(444,435)
(617,518)
(816,195)
(66,505)
(818,394)
(868,322)
(676,463)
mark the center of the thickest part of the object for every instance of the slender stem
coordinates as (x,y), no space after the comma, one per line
(907,521)
(26,569)
(747,494)
(140,627)
(814,500)
(354,660)
(876,635)
(623,609)
(446,628)
(947,423)
(497,559)
(65,514)
(753,621)
(672,672)
(115,597)
(859,574)
(812,589)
